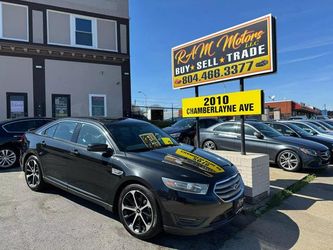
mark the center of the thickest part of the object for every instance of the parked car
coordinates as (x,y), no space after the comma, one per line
(289,153)
(11,132)
(312,129)
(185,129)
(320,125)
(329,122)
(289,129)
(324,125)
(137,170)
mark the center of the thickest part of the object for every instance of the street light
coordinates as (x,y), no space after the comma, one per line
(141,92)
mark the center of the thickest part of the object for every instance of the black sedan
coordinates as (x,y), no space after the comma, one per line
(290,129)
(184,130)
(289,153)
(11,132)
(137,170)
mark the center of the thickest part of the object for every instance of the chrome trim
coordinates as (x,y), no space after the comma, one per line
(241,190)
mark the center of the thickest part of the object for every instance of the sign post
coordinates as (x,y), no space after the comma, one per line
(242,127)
(197,120)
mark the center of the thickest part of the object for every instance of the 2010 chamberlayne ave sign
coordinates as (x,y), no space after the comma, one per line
(231,104)
(244,50)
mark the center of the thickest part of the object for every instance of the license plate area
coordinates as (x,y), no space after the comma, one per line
(238,205)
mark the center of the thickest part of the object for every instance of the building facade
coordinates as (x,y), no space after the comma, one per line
(64,58)
(288,108)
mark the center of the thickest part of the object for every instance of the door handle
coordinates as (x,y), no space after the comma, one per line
(76,152)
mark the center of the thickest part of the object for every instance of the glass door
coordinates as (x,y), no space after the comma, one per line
(61,106)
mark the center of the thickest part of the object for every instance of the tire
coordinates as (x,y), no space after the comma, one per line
(209,144)
(187,140)
(139,212)
(289,160)
(33,174)
(9,157)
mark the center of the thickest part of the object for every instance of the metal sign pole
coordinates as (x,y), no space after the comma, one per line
(197,118)
(243,150)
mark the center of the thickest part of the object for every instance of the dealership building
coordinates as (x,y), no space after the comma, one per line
(286,108)
(64,58)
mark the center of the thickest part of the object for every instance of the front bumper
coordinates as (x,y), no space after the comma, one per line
(314,162)
(189,214)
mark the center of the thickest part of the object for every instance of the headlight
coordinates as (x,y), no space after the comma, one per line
(309,151)
(187,187)
(175,135)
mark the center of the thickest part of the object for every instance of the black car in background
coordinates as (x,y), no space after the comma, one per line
(289,153)
(184,130)
(11,132)
(289,129)
(137,170)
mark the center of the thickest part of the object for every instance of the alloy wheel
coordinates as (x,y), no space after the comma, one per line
(209,145)
(289,160)
(7,158)
(32,173)
(137,212)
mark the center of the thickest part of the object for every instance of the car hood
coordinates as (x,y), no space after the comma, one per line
(299,142)
(185,160)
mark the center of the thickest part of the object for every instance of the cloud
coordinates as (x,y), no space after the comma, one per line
(302,59)
(308,45)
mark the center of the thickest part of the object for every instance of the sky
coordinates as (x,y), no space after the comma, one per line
(304,47)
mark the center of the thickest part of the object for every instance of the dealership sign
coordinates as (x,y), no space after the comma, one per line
(231,104)
(241,51)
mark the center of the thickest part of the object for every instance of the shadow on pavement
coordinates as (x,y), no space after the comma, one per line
(10,170)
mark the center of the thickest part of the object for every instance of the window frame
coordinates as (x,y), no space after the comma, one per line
(25,96)
(61,139)
(90,104)
(1,22)
(73,30)
(53,97)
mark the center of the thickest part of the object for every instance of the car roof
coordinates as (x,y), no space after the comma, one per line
(103,120)
(25,119)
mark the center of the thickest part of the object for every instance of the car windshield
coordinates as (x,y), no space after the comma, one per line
(298,130)
(266,130)
(185,123)
(316,127)
(134,137)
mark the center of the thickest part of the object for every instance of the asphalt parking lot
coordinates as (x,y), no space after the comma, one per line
(55,219)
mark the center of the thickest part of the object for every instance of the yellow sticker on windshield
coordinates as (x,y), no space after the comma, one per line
(150,140)
(167,141)
(200,160)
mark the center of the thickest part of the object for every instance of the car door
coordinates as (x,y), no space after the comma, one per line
(254,144)
(55,150)
(226,136)
(92,172)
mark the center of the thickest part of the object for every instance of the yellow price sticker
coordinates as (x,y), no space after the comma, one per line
(211,166)
(167,141)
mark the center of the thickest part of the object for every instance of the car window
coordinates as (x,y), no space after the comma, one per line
(227,128)
(305,128)
(20,126)
(50,131)
(65,130)
(40,123)
(90,134)
(249,130)
(184,123)
(210,123)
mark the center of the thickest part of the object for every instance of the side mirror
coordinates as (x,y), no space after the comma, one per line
(101,148)
(259,135)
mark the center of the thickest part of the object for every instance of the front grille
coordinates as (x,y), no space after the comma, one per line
(325,155)
(230,189)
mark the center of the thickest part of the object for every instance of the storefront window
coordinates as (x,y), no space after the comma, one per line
(97,105)
(61,106)
(17,105)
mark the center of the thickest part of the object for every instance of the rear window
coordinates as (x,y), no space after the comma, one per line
(20,126)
